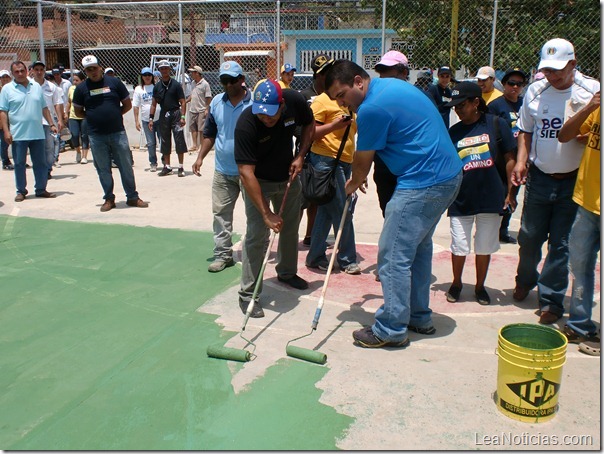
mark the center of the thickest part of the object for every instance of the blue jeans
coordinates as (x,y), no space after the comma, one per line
(38,160)
(584,247)
(547,215)
(225,192)
(405,257)
(329,215)
(113,146)
(151,142)
(4,149)
(51,147)
(79,128)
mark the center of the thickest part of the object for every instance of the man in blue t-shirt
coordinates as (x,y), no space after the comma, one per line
(102,101)
(413,142)
(219,133)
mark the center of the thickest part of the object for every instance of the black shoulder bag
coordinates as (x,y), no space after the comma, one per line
(319,186)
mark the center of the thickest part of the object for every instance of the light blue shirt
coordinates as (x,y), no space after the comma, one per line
(220,125)
(405,129)
(24,107)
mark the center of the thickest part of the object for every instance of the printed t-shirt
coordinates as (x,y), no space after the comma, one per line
(102,102)
(326,111)
(482,190)
(410,136)
(543,113)
(587,188)
(270,149)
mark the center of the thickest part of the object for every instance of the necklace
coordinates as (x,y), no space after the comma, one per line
(166,86)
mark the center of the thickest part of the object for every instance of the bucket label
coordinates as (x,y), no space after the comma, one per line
(530,412)
(535,392)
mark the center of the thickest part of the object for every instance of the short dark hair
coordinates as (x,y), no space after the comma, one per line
(400,68)
(344,71)
(17,63)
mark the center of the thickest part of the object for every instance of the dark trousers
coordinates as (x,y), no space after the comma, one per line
(170,126)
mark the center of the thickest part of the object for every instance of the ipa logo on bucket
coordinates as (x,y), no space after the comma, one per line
(535,392)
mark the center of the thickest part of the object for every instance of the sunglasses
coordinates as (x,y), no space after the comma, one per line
(228,80)
(511,83)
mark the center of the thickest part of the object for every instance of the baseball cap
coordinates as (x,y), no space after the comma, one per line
(163,64)
(156,73)
(509,72)
(287,68)
(444,70)
(425,74)
(197,69)
(61,68)
(231,68)
(109,70)
(146,70)
(393,58)
(4,72)
(320,62)
(89,60)
(556,53)
(38,62)
(538,76)
(463,91)
(485,72)
(267,98)
(54,71)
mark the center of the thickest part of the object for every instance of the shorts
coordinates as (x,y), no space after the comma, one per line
(486,239)
(197,121)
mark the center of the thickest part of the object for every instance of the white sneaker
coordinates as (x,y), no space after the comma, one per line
(84,161)
(153,168)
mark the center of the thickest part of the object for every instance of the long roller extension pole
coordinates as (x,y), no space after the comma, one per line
(305,354)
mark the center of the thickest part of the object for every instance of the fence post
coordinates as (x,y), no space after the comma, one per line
(278,37)
(182,49)
(41,33)
(454,32)
(69,40)
(383,26)
(493,33)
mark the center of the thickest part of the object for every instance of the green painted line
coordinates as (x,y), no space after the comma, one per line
(101,348)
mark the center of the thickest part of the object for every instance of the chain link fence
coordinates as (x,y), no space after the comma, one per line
(262,35)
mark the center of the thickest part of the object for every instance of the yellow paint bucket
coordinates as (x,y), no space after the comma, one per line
(529,371)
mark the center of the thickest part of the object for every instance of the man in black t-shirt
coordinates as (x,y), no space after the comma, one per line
(103,101)
(442,93)
(169,94)
(265,158)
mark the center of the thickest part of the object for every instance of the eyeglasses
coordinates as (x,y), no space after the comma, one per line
(228,80)
(512,83)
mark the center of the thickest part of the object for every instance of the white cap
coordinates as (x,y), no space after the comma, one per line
(4,72)
(89,60)
(556,53)
(163,64)
(485,72)
(109,70)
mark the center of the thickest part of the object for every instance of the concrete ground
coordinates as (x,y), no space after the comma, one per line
(436,394)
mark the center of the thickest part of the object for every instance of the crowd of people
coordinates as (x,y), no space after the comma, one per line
(463,149)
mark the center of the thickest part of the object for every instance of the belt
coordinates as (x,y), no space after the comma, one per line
(559,176)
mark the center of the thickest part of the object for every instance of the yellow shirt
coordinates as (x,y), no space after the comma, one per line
(325,111)
(491,96)
(587,188)
(283,84)
(72,113)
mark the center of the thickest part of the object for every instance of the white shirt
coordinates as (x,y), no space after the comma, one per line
(544,111)
(53,96)
(142,98)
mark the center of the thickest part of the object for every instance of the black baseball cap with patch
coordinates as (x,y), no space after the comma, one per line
(463,91)
(444,70)
(320,63)
(38,63)
(517,71)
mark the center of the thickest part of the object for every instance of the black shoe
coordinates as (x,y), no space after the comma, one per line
(8,166)
(507,238)
(181,172)
(295,281)
(365,338)
(453,294)
(257,311)
(165,171)
(426,331)
(306,241)
(482,297)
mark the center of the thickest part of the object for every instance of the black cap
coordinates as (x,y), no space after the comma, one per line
(518,71)
(444,70)
(38,62)
(463,91)
(321,62)
(56,71)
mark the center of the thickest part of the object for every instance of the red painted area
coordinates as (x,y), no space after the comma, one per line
(363,290)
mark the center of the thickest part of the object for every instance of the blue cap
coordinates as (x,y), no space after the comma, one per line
(267,98)
(146,70)
(156,73)
(287,68)
(231,68)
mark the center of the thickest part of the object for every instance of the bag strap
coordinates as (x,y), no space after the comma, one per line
(343,143)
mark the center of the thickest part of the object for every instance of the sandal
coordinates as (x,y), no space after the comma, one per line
(591,347)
